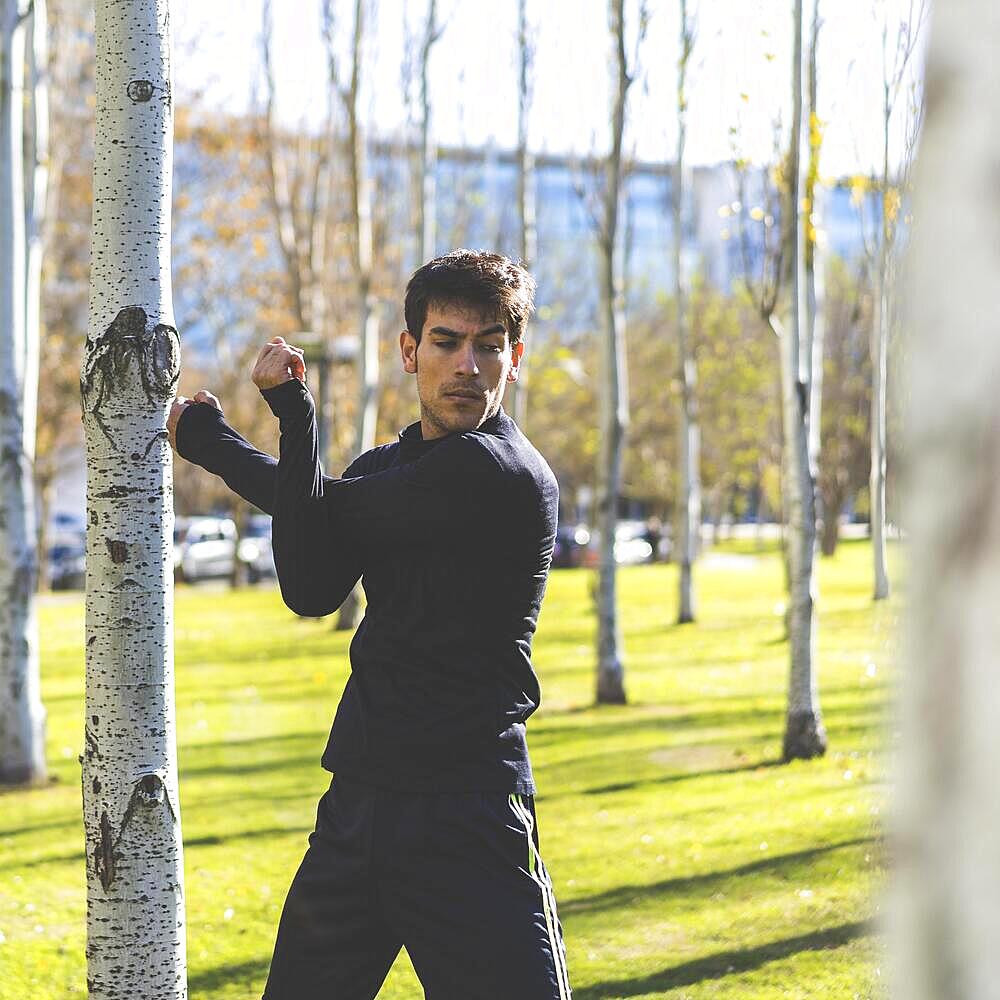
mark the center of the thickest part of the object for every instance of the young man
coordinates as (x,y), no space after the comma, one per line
(426,837)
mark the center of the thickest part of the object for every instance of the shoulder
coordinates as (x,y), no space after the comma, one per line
(376,459)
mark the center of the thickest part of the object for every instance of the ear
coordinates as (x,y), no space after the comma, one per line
(408,352)
(515,361)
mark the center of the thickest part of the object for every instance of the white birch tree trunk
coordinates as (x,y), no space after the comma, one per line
(880,373)
(426,224)
(689,450)
(804,733)
(135,905)
(945,905)
(613,381)
(22,716)
(36,204)
(815,260)
(362,238)
(880,368)
(526,199)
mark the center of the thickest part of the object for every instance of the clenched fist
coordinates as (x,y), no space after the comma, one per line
(278,362)
(180,404)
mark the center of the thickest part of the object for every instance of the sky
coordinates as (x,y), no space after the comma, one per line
(739,72)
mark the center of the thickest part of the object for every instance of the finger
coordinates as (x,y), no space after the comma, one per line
(204,396)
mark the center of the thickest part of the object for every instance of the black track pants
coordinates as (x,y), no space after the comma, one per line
(455,877)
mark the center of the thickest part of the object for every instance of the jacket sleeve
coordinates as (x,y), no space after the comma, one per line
(204,438)
(317,567)
(379,515)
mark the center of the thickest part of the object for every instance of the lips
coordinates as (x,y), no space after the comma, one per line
(475,397)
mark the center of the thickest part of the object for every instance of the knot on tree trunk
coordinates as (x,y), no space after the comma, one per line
(130,346)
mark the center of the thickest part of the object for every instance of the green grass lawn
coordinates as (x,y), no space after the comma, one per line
(687,862)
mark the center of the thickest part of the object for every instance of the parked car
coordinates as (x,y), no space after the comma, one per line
(254,548)
(208,549)
(632,545)
(67,566)
(570,546)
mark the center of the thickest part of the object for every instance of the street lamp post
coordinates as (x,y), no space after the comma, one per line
(318,353)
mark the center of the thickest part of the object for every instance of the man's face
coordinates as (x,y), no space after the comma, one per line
(463,362)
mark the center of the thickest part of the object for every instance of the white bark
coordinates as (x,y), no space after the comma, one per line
(804,733)
(135,911)
(689,450)
(898,48)
(613,382)
(880,367)
(526,201)
(946,901)
(815,260)
(35,212)
(22,716)
(880,373)
(363,256)
(426,224)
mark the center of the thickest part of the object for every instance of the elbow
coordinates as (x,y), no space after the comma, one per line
(305,605)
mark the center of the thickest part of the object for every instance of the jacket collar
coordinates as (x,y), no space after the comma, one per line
(412,444)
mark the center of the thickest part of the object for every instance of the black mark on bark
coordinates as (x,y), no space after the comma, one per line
(116,493)
(148,791)
(117,549)
(130,342)
(97,786)
(93,748)
(160,436)
(140,91)
(104,854)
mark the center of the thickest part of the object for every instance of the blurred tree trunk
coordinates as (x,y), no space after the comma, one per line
(526,224)
(815,276)
(805,736)
(35,211)
(898,48)
(880,370)
(299,196)
(946,901)
(135,872)
(362,254)
(614,380)
(689,451)
(426,182)
(22,716)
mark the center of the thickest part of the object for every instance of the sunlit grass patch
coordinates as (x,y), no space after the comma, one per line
(688,861)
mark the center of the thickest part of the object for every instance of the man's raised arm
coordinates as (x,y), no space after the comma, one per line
(200,434)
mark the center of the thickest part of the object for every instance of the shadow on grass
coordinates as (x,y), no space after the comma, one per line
(669,779)
(726,963)
(300,761)
(627,895)
(253,973)
(206,840)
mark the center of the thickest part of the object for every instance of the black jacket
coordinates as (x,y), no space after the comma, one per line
(452,539)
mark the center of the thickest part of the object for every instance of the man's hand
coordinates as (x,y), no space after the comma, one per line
(180,404)
(278,362)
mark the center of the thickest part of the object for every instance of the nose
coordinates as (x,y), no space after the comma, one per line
(465,363)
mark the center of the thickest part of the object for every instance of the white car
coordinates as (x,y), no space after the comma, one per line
(254,548)
(208,549)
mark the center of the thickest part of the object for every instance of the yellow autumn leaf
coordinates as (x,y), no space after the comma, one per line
(892,202)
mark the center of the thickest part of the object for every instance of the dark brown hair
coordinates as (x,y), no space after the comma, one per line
(489,283)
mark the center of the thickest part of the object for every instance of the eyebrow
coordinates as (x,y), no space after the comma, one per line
(488,332)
